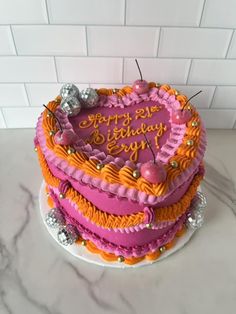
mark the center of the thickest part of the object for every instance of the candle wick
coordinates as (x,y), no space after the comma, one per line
(139,69)
(190,99)
(53,114)
(150,147)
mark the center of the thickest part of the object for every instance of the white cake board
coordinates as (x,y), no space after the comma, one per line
(82,253)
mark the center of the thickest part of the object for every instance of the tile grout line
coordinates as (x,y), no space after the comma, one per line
(127,25)
(77,82)
(55,65)
(123,70)
(47,11)
(213,96)
(27,95)
(86,40)
(229,45)
(158,44)
(189,70)
(4,120)
(203,8)
(234,125)
(13,39)
(114,57)
(125,10)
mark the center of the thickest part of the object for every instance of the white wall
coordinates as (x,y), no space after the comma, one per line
(190,44)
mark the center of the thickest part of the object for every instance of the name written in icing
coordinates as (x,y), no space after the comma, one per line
(115,133)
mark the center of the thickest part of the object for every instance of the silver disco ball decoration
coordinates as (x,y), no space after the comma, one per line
(199,201)
(71,105)
(54,218)
(195,219)
(89,98)
(68,235)
(68,90)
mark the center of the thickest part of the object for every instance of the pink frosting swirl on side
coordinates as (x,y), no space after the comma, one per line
(64,186)
(148,215)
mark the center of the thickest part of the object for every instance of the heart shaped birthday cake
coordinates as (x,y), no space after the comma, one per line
(122,168)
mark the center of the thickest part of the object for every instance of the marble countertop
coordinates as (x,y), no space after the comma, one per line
(37,276)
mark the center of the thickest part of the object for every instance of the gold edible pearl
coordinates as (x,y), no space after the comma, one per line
(48,194)
(99,166)
(190,142)
(194,123)
(158,85)
(115,90)
(84,243)
(149,226)
(136,173)
(35,149)
(49,114)
(61,195)
(177,92)
(120,259)
(70,150)
(51,133)
(174,164)
(162,249)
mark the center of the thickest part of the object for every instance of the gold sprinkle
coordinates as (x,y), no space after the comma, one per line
(61,195)
(51,133)
(158,85)
(84,243)
(115,90)
(99,166)
(190,142)
(120,259)
(136,174)
(35,149)
(162,249)
(174,164)
(70,150)
(194,123)
(149,226)
(177,92)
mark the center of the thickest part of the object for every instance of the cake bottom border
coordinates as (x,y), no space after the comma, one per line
(91,254)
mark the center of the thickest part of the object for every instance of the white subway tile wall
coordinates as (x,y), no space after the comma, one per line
(190,44)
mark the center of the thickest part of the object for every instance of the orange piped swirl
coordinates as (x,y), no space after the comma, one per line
(77,159)
(126,176)
(165,87)
(89,166)
(48,176)
(145,186)
(110,173)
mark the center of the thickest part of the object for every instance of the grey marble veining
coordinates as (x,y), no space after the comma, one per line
(37,276)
